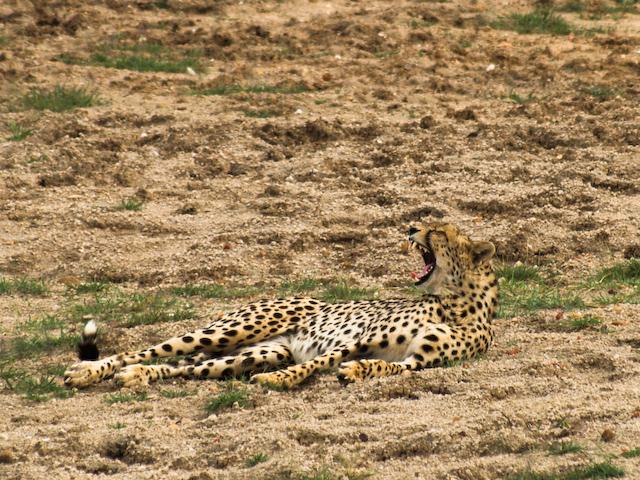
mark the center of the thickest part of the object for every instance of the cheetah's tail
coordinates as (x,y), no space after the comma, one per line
(87,348)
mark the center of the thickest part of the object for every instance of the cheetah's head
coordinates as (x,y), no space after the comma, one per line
(449,256)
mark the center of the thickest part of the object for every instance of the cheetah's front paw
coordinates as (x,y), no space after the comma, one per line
(274,379)
(83,374)
(351,371)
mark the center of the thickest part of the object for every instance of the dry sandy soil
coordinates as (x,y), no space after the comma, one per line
(405,111)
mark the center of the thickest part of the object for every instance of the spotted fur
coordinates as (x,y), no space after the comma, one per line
(288,340)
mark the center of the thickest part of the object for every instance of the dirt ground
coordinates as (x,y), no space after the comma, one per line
(379,114)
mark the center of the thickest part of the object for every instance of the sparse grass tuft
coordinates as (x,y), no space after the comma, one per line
(563,448)
(254,460)
(231,396)
(261,113)
(597,9)
(624,272)
(619,283)
(169,393)
(579,323)
(520,297)
(41,335)
(140,57)
(125,397)
(214,291)
(537,21)
(298,286)
(118,425)
(595,471)
(520,100)
(631,453)
(36,388)
(230,89)
(18,132)
(91,287)
(131,204)
(601,92)
(24,286)
(141,63)
(132,310)
(574,6)
(343,291)
(60,99)
(518,272)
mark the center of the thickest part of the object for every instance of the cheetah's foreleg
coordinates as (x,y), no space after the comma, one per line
(296,374)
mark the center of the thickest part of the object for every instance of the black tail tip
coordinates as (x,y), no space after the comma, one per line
(87,348)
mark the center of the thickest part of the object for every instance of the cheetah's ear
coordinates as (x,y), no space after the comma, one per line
(482,252)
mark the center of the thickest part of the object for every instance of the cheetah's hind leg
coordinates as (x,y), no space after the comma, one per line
(259,357)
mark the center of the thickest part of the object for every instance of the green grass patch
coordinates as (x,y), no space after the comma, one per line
(23,286)
(520,100)
(261,113)
(59,99)
(523,290)
(601,92)
(595,471)
(132,310)
(41,335)
(90,287)
(573,6)
(171,393)
(118,425)
(631,453)
(627,272)
(254,460)
(213,290)
(597,9)
(140,63)
(299,286)
(18,132)
(342,291)
(232,395)
(564,448)
(518,272)
(541,20)
(126,397)
(131,204)
(140,57)
(619,283)
(37,388)
(56,369)
(230,89)
(538,21)
(588,322)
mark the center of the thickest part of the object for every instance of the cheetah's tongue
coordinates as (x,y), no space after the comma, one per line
(425,271)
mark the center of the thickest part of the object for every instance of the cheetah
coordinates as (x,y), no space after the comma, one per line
(283,342)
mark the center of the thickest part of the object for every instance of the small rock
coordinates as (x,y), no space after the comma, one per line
(427,122)
(499,393)
(607,435)
(237,169)
(465,114)
(7,456)
(187,209)
(632,251)
(363,437)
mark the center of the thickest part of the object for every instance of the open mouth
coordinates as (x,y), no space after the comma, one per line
(429,264)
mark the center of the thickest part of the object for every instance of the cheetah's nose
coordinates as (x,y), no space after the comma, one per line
(413,231)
